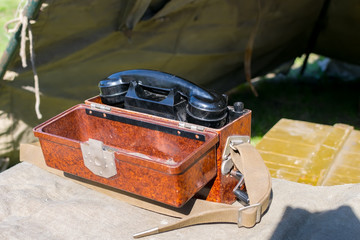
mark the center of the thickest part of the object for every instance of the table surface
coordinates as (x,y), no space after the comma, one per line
(36,204)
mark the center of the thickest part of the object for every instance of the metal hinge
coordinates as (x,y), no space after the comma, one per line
(100,106)
(191,126)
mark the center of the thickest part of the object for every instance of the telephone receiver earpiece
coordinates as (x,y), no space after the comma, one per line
(165,95)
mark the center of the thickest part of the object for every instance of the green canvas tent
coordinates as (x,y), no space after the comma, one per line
(210,42)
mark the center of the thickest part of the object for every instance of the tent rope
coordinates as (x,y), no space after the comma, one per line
(26,29)
(36,77)
(24,22)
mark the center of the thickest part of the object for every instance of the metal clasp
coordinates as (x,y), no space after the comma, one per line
(231,141)
(97,159)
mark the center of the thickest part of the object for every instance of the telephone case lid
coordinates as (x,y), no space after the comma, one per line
(140,131)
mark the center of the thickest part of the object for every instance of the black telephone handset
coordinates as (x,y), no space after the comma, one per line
(164,95)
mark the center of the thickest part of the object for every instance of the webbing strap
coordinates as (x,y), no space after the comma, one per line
(258,184)
(257,181)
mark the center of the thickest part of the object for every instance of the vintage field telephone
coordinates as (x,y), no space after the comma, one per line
(162,138)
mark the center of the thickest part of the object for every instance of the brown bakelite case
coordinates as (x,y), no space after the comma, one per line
(220,189)
(153,157)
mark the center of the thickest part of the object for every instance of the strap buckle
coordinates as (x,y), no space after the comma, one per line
(258,213)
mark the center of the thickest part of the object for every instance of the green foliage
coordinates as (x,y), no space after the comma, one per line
(324,101)
(7,12)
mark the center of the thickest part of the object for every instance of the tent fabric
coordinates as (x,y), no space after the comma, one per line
(36,204)
(339,37)
(78,43)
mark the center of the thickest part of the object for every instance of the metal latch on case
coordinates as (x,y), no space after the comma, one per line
(97,159)
(227,163)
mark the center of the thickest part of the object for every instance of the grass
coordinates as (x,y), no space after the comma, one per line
(7,12)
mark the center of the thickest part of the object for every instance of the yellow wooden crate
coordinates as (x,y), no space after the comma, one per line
(312,153)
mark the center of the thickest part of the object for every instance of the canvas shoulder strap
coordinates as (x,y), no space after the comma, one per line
(258,185)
